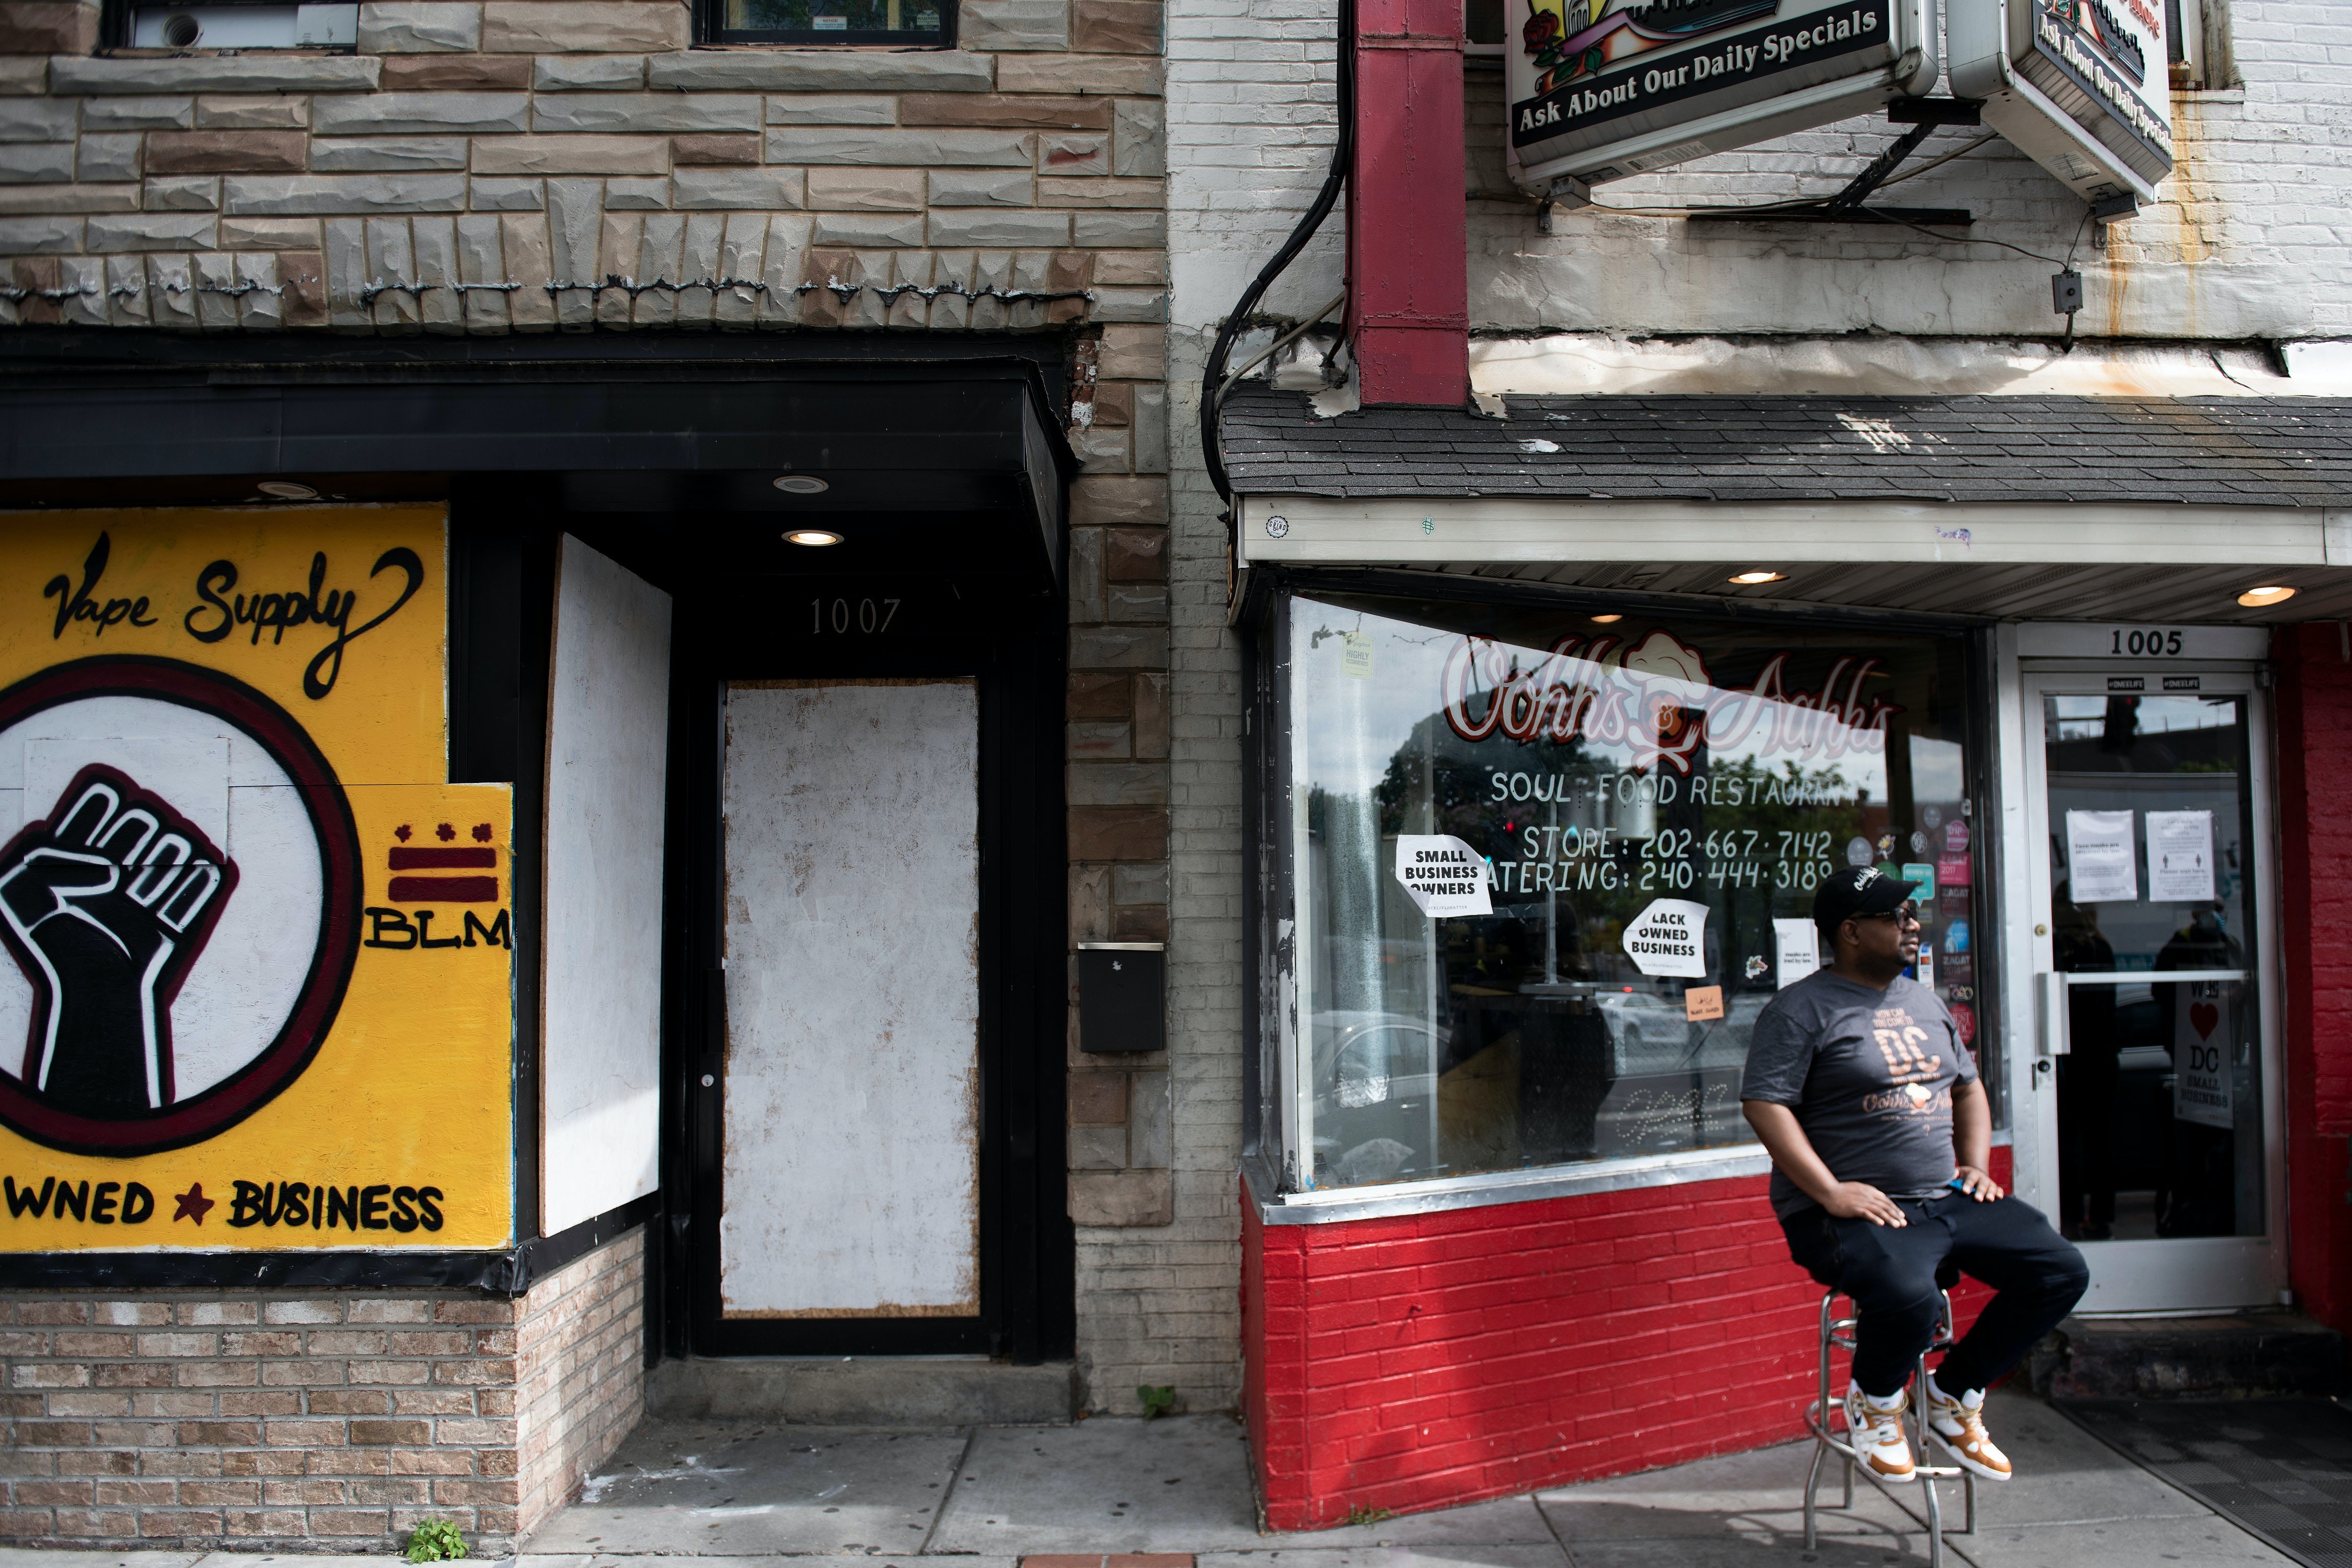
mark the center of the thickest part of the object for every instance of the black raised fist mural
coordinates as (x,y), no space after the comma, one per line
(106,904)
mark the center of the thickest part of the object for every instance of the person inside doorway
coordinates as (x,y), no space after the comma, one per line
(1879,1133)
(2089,1075)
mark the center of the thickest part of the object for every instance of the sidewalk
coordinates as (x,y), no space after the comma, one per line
(1176,1494)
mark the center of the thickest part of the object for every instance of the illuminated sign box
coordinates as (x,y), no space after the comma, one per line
(1601,89)
(2082,87)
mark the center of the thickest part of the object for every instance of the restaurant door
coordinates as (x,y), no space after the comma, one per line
(2149,1118)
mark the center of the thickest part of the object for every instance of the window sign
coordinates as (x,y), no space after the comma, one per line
(2099,848)
(1547,872)
(2082,87)
(1601,89)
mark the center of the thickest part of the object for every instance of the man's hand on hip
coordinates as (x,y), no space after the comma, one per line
(1860,1200)
(1977,1184)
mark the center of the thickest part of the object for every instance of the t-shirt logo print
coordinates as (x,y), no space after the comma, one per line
(106,904)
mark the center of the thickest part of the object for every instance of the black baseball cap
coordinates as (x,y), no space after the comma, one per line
(1858,891)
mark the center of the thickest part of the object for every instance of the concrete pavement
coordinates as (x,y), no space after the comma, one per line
(1176,1494)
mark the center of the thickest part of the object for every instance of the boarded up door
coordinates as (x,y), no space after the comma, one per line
(851,1126)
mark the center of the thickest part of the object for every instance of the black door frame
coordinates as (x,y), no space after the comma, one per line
(1011,642)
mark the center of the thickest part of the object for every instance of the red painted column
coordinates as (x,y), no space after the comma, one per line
(1408,272)
(2314,834)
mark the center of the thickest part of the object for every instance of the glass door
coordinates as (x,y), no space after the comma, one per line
(2152,1087)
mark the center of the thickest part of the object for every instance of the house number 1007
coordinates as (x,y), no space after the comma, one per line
(840,616)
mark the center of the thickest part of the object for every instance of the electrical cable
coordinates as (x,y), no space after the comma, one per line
(1961,150)
(1213,375)
(1282,342)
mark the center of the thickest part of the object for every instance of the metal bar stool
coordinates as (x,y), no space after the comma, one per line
(1837,1333)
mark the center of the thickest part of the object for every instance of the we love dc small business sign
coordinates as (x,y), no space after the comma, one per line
(1601,89)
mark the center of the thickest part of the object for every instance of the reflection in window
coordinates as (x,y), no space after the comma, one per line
(835,21)
(1595,773)
(2160,1095)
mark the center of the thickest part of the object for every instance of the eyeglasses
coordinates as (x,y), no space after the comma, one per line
(1908,915)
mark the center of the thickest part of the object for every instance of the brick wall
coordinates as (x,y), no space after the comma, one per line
(2230,249)
(313,1421)
(1249,104)
(2314,806)
(580,1350)
(1435,1360)
(529,164)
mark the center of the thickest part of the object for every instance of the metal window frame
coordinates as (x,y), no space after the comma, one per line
(1282,1110)
(710,27)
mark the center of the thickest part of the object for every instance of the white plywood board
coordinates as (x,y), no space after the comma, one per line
(600,991)
(852,1124)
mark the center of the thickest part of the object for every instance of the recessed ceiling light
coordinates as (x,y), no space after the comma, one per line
(1754,577)
(1608,620)
(2255,598)
(811,536)
(801,484)
(285,490)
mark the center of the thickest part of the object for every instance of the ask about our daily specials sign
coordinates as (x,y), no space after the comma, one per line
(1603,89)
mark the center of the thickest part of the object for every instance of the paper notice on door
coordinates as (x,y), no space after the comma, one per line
(2101,867)
(2201,1057)
(2179,857)
(1797,951)
(1925,968)
(1669,938)
(1443,876)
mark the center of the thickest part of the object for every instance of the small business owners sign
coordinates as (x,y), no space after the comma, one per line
(258,988)
(1601,89)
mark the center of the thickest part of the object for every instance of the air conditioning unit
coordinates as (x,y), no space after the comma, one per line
(244,26)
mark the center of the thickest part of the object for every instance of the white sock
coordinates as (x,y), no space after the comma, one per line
(1973,1399)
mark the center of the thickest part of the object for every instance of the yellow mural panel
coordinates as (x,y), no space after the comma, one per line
(259,951)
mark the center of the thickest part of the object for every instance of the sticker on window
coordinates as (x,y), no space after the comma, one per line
(1443,876)
(1669,938)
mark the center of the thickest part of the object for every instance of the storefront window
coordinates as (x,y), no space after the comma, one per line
(1648,803)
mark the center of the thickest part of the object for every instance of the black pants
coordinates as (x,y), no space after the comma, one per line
(1892,1276)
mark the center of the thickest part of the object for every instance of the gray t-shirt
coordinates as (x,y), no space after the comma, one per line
(1870,1075)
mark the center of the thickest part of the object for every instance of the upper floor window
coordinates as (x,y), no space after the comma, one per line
(2197,37)
(901,22)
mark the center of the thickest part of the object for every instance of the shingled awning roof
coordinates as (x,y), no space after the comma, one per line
(2252,451)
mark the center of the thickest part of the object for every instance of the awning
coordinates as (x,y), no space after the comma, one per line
(2009,506)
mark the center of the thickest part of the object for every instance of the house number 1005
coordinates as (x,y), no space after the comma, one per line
(2152,642)
(840,616)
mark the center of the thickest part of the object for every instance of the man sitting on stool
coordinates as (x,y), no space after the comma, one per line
(1879,1132)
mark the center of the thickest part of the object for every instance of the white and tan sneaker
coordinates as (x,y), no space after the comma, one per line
(1959,1426)
(1876,1435)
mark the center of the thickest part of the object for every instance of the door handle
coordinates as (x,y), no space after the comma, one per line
(2050,1005)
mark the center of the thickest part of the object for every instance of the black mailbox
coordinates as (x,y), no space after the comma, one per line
(1122,996)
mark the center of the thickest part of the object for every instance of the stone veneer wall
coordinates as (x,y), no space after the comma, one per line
(517,166)
(320,1421)
(522,165)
